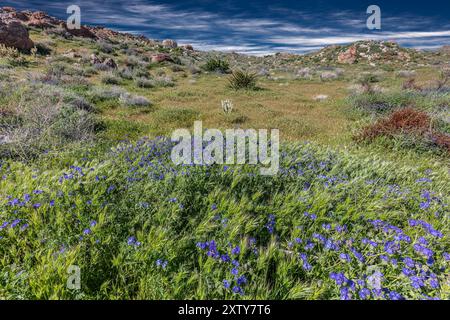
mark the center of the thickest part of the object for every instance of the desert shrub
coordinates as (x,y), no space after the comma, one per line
(406,73)
(366,81)
(42,119)
(159,81)
(105,47)
(242,80)
(43,49)
(59,68)
(305,73)
(144,83)
(101,67)
(217,65)
(141,72)
(381,102)
(194,70)
(101,94)
(13,56)
(58,32)
(176,68)
(444,79)
(129,100)
(412,126)
(110,78)
(125,73)
(328,76)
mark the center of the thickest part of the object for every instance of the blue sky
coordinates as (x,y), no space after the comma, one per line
(263,27)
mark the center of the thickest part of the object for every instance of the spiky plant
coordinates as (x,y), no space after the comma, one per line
(242,80)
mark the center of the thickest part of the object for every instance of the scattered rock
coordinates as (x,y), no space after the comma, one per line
(320,97)
(95,59)
(14,34)
(110,63)
(188,47)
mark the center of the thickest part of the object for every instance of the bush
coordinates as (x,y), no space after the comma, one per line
(126,74)
(110,79)
(366,80)
(409,123)
(41,119)
(105,47)
(129,100)
(381,102)
(242,80)
(102,94)
(43,49)
(217,65)
(145,83)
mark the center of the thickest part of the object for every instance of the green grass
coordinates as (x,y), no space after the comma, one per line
(135,191)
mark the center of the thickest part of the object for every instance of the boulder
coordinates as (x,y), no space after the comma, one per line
(188,47)
(170,44)
(160,57)
(14,34)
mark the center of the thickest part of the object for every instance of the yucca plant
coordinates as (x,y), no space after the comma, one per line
(242,80)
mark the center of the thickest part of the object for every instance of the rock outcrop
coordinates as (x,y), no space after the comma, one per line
(14,34)
(348,56)
(170,44)
(160,57)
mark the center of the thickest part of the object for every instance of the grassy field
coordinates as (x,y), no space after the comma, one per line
(345,218)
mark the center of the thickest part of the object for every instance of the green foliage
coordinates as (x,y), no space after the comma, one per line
(242,80)
(217,65)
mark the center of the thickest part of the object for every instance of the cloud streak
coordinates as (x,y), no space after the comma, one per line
(257,29)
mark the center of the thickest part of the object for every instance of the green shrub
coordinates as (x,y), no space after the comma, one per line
(217,65)
(129,100)
(242,80)
(111,79)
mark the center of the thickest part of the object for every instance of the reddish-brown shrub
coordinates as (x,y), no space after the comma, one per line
(442,140)
(406,121)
